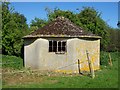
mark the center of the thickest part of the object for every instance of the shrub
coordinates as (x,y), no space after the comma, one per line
(12,62)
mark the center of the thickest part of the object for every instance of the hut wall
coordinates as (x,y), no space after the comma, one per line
(93,48)
(37,55)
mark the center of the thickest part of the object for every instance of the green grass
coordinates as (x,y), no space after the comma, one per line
(107,77)
(104,57)
(12,62)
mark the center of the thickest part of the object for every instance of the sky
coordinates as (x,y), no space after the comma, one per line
(31,10)
(119,10)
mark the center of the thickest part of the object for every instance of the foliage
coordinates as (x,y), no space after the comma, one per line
(37,23)
(114,40)
(12,62)
(104,57)
(0,27)
(91,20)
(14,27)
(57,12)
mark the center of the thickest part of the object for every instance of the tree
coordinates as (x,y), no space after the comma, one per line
(14,27)
(37,23)
(114,40)
(67,14)
(0,26)
(92,21)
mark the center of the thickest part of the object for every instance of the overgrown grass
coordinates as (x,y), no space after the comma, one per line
(106,77)
(12,62)
(104,57)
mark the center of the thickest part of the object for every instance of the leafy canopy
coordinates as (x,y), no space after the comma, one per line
(14,27)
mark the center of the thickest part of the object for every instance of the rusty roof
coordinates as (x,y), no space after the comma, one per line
(60,27)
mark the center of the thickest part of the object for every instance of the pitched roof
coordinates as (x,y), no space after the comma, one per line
(60,27)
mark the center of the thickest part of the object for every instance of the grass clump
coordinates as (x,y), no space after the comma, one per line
(12,62)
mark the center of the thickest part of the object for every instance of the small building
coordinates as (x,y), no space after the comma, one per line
(58,46)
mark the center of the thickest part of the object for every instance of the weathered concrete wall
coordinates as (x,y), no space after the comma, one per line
(93,48)
(37,55)
(31,53)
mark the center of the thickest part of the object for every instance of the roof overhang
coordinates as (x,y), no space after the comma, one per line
(61,36)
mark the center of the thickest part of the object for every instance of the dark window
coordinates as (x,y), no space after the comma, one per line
(63,46)
(50,46)
(54,46)
(57,46)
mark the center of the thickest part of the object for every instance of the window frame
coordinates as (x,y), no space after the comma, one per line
(59,49)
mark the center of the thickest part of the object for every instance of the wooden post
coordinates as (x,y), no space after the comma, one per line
(79,66)
(90,65)
(92,70)
(110,61)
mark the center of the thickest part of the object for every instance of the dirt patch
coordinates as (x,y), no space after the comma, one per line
(13,77)
(21,78)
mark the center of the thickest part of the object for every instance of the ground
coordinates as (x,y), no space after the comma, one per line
(16,76)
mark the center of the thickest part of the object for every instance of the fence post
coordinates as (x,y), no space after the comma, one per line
(79,66)
(110,61)
(90,65)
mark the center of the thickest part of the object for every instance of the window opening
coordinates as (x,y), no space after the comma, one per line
(57,46)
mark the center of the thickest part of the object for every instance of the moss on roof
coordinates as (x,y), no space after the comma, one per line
(60,27)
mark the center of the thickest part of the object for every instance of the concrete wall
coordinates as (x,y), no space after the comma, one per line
(37,56)
(93,48)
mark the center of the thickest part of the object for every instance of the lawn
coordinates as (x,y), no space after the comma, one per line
(106,77)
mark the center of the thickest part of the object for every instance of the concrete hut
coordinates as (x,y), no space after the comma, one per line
(58,46)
